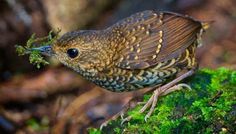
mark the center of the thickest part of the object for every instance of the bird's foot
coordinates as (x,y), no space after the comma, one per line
(153,100)
(104,124)
(163,90)
(120,114)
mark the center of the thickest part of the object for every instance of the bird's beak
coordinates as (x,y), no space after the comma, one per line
(44,50)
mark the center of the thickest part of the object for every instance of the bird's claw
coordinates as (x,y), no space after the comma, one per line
(126,120)
(122,116)
(103,125)
(146,118)
(182,85)
(153,100)
(151,103)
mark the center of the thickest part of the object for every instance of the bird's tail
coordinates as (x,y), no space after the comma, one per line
(206,24)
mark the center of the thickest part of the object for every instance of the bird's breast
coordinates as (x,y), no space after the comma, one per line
(121,80)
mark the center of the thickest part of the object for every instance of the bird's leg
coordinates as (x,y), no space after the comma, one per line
(158,93)
(176,87)
(120,114)
(163,90)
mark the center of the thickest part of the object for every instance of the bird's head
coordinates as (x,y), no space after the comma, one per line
(80,50)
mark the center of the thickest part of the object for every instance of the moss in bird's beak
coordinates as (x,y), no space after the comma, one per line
(36,51)
(44,50)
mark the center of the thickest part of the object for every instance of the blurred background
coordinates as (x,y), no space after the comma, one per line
(26,93)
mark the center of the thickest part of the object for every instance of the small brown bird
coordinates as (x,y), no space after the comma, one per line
(144,50)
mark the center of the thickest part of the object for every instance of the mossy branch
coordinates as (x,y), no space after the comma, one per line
(209,108)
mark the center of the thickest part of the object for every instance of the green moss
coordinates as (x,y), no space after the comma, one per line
(209,108)
(35,57)
(38,125)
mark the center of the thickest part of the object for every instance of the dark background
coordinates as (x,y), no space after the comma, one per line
(24,89)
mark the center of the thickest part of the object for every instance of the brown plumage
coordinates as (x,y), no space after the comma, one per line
(151,38)
(146,49)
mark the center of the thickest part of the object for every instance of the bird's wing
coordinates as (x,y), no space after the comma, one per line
(149,38)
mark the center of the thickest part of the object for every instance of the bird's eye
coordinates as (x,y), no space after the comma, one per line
(72,52)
